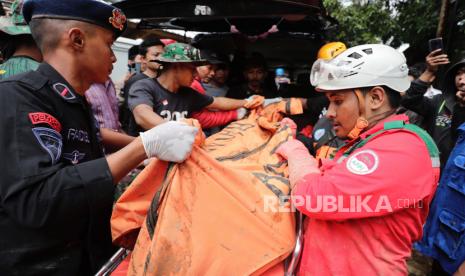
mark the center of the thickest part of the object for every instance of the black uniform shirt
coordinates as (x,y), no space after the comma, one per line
(56,189)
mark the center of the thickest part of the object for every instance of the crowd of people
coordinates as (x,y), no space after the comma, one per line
(373,128)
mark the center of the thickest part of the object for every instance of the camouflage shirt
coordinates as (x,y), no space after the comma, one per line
(16,65)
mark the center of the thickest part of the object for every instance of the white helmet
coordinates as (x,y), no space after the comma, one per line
(362,66)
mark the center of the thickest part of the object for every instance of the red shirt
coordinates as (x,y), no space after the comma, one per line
(209,119)
(394,176)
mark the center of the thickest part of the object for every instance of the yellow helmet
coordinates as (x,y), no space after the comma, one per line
(331,50)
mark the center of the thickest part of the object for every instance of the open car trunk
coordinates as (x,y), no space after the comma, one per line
(287,33)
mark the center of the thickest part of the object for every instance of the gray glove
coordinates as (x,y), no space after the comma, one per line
(171,141)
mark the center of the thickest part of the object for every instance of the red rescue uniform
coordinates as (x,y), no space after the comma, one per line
(366,209)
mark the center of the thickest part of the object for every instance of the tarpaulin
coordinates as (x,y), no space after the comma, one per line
(216,213)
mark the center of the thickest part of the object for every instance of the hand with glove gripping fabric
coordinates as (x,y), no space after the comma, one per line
(300,162)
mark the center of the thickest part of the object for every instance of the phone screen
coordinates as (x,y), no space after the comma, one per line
(435,43)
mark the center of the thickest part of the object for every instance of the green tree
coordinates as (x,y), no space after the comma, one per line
(361,23)
(416,22)
(396,22)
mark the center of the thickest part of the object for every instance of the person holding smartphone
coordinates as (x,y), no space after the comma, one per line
(447,208)
(444,112)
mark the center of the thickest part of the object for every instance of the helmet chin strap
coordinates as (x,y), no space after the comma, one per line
(362,122)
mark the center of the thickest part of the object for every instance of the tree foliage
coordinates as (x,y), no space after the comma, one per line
(361,23)
(395,22)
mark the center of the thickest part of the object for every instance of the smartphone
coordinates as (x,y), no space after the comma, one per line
(435,43)
(137,67)
(131,68)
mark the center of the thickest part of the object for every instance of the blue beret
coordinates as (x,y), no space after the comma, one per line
(90,11)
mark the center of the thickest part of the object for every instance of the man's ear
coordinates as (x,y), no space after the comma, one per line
(77,38)
(376,97)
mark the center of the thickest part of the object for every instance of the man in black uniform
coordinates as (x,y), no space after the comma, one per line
(56,189)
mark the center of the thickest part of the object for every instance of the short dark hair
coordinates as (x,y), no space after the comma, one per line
(394,97)
(255,61)
(44,39)
(133,52)
(14,42)
(149,42)
(461,69)
(47,32)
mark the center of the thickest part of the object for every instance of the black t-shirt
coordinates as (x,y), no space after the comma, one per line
(170,106)
(134,79)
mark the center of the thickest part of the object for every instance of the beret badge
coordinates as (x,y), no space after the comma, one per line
(118,19)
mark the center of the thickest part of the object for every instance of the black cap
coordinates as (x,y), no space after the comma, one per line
(213,58)
(90,11)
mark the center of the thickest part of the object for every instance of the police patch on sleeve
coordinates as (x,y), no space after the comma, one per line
(50,140)
(45,118)
(363,162)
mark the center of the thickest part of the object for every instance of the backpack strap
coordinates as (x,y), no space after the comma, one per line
(400,125)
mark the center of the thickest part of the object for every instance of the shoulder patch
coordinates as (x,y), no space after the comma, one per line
(50,140)
(45,118)
(363,162)
(64,91)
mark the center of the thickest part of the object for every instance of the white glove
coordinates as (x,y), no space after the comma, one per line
(272,101)
(171,141)
(250,98)
(241,112)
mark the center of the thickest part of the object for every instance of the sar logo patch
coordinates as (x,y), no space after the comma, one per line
(363,162)
(64,91)
(50,140)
